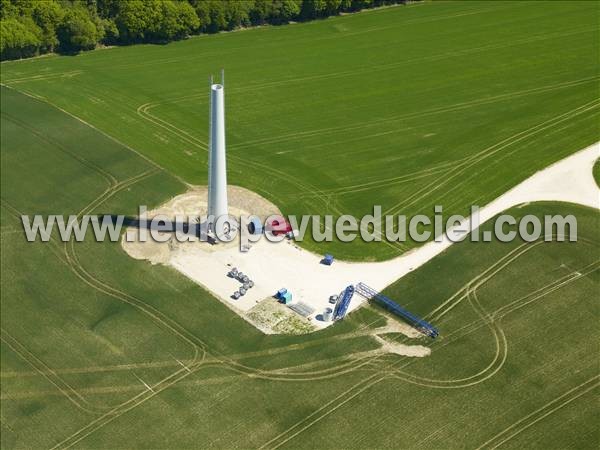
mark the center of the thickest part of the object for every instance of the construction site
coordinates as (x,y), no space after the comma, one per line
(316,291)
(280,287)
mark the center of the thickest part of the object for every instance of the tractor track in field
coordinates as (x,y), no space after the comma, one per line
(415,115)
(215,363)
(63,387)
(493,322)
(361,187)
(362,331)
(143,111)
(121,389)
(539,414)
(50,76)
(387,66)
(482,155)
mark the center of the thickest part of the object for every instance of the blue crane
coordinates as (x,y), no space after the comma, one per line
(341,307)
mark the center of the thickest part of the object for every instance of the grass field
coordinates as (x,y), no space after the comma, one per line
(101,351)
(407,107)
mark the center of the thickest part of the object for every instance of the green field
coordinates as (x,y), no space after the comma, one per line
(406,107)
(384,106)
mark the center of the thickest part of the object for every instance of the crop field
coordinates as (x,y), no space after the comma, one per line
(407,107)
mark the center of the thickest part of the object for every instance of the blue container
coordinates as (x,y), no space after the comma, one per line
(280,293)
(327,260)
(287,298)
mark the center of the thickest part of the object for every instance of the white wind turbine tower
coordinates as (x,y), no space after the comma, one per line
(217,165)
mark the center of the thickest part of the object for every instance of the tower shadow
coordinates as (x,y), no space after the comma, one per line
(195,229)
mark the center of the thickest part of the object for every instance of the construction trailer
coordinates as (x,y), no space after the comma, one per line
(341,307)
(421,325)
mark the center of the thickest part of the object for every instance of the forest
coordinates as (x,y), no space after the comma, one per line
(35,27)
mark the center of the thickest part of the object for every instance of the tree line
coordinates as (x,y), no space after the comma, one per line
(34,27)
